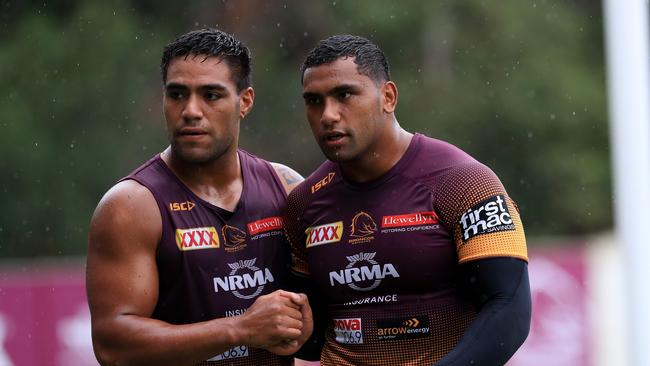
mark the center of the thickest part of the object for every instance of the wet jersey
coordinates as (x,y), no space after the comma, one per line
(213,263)
(384,254)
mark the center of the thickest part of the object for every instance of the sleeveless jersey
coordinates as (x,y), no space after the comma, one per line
(213,263)
(384,254)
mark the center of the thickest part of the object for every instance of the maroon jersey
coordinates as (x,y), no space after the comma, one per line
(384,254)
(213,263)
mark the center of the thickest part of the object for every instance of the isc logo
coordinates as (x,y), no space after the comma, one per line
(490,215)
(323,182)
(323,234)
(197,238)
(182,206)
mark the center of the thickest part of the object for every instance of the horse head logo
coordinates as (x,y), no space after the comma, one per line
(234,238)
(362,225)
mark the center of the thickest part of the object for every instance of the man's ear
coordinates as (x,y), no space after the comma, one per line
(389,96)
(246,98)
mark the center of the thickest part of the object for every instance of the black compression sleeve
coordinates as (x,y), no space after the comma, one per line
(311,350)
(500,291)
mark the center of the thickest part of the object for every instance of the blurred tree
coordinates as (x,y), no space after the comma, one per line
(519,85)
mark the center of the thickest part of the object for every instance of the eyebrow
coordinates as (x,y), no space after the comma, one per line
(179,86)
(336,90)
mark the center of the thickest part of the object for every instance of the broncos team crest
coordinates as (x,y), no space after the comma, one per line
(362,229)
(234,238)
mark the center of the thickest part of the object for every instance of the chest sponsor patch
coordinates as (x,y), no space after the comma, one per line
(264,225)
(348,331)
(245,280)
(488,216)
(412,219)
(197,238)
(363,272)
(324,234)
(402,328)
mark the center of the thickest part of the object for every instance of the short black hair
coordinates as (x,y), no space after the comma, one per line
(370,60)
(211,42)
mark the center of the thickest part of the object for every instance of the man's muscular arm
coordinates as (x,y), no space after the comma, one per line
(500,291)
(122,287)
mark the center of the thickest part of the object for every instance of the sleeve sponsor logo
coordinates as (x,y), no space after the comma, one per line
(245,281)
(362,228)
(264,225)
(488,216)
(323,182)
(182,206)
(402,328)
(362,277)
(324,234)
(348,331)
(197,238)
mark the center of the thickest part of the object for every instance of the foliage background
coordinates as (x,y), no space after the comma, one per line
(519,84)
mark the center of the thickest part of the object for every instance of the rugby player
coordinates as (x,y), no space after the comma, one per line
(186,256)
(413,251)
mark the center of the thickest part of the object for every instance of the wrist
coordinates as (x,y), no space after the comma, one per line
(237,331)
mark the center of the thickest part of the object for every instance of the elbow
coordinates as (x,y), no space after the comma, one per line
(106,351)
(524,318)
(104,355)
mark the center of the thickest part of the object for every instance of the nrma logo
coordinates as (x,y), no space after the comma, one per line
(244,275)
(363,277)
(491,215)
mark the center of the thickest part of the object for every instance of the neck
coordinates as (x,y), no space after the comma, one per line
(381,156)
(219,182)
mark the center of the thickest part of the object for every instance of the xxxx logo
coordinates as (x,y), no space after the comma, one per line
(197,238)
(323,234)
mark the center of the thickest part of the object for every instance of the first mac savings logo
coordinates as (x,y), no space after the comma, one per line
(488,216)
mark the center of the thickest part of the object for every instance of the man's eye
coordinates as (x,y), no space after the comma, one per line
(344,95)
(212,96)
(312,101)
(174,95)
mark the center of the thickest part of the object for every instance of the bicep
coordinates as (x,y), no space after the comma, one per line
(121,272)
(493,279)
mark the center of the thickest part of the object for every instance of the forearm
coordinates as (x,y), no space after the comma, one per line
(135,340)
(312,347)
(500,287)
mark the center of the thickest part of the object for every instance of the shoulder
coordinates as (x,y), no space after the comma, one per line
(441,154)
(288,177)
(127,212)
(313,185)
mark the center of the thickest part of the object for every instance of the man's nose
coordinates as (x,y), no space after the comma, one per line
(192,109)
(331,113)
